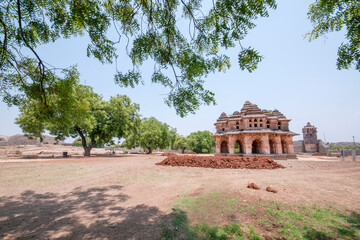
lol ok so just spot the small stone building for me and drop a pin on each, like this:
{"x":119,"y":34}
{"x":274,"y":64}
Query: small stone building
{"x":253,"y":131}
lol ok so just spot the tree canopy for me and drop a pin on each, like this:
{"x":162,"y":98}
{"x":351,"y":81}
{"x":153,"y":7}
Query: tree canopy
{"x":183,"y":37}
{"x":76,"y":111}
{"x":181,"y":143}
{"x":154,"y":134}
{"x":201,"y":141}
{"x":328,"y":16}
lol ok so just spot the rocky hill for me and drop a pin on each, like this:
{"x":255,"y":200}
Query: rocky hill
{"x":20,"y":139}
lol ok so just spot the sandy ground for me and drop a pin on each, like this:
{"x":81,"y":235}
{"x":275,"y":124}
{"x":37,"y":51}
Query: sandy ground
{"x":125,"y":197}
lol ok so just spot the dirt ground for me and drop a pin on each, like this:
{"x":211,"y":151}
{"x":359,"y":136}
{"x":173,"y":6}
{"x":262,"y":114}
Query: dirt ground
{"x":125,"y":197}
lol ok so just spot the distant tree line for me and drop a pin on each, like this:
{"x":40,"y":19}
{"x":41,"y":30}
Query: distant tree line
{"x":338,"y":147}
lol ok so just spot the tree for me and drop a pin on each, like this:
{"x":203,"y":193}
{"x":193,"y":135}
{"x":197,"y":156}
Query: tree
{"x":328,"y":16}
{"x":76,"y":111}
{"x":154,"y":134}
{"x":201,"y":141}
{"x":181,"y":143}
{"x":182,"y":55}
{"x":172,"y":137}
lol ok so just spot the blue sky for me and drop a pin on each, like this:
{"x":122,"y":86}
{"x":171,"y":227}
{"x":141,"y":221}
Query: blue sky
{"x":296,"y":77}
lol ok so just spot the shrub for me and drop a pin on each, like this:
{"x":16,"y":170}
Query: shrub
{"x":204,"y":151}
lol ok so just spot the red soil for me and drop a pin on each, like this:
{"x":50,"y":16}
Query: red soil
{"x":319,"y":154}
{"x":270,"y":189}
{"x":253,"y":186}
{"x":221,"y":162}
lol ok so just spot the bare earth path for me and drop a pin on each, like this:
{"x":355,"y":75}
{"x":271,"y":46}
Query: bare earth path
{"x":125,"y":197}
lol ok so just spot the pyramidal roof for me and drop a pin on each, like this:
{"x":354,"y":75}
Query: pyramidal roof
{"x":308,"y":125}
{"x":252,"y":109}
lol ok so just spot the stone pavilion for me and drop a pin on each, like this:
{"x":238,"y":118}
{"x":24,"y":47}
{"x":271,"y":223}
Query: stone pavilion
{"x":254,"y":131}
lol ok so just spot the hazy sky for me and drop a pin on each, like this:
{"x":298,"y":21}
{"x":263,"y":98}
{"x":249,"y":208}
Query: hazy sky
{"x":296,"y":77}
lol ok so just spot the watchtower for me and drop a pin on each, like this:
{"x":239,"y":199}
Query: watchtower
{"x":311,"y":143}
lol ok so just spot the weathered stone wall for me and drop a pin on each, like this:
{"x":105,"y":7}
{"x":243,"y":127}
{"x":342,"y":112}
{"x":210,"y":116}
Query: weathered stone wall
{"x":311,"y":148}
{"x":323,"y":148}
{"x":299,"y":146}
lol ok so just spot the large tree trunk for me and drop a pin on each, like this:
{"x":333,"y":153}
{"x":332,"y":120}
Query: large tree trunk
{"x":149,"y":150}
{"x":87,"y":151}
{"x":183,"y":150}
{"x":87,"y":148}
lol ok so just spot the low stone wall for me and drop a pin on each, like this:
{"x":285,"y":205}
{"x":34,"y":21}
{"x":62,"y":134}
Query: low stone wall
{"x":299,"y":146}
{"x":311,"y":147}
{"x":323,"y":148}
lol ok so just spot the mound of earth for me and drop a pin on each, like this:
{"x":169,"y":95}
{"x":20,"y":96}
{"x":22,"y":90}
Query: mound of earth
{"x":253,"y":186}
{"x":270,"y":189}
{"x":221,"y":162}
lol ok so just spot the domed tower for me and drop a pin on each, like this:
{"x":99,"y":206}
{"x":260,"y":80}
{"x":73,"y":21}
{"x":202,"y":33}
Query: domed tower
{"x":310,"y":138}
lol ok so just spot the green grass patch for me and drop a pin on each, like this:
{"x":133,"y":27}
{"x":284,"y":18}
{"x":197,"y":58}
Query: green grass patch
{"x":228,"y":216}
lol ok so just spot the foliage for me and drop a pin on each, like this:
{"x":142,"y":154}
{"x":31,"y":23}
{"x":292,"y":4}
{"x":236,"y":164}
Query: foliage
{"x":183,"y":51}
{"x":74,"y":110}
{"x":181,"y":144}
{"x":154,"y":134}
{"x":328,"y":16}
{"x":200,"y":140}
{"x":337,"y":147}
{"x":78,"y":142}
{"x":172,"y":137}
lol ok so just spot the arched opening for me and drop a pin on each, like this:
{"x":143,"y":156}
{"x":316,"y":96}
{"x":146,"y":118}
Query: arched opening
{"x":256,"y":147}
{"x":224,"y":147}
{"x":284,"y":147}
{"x":272,"y":147}
{"x":238,"y":147}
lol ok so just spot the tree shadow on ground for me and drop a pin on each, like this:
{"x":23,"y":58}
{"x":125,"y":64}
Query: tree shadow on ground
{"x":94,"y":213}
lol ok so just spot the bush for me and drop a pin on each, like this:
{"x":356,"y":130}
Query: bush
{"x":204,"y":151}
{"x":18,"y":152}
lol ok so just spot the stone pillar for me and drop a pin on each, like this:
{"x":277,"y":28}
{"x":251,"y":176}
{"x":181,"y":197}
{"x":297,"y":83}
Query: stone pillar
{"x":218,"y":144}
{"x":231,"y":144}
{"x":278,"y":145}
{"x":290,"y":145}
{"x":247,"y":144}
{"x":265,"y":145}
